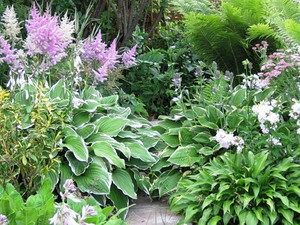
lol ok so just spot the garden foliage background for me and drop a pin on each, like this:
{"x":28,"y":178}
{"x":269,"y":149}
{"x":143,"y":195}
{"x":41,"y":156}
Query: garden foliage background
{"x":81,"y":82}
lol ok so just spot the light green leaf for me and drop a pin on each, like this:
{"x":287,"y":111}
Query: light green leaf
{"x":239,"y":97}
{"x":123,"y":181}
{"x":171,"y":140}
{"x":109,"y":100}
{"x":214,"y":220}
{"x":287,"y":214}
{"x":86,"y":130}
{"x":205,"y":123}
{"x":140,"y":152}
{"x":28,"y":216}
{"x":185,"y":156}
{"x":214,"y":114}
{"x":110,"y":126}
{"x":77,"y":145}
{"x":251,"y":218}
{"x":226,"y":206}
{"x":208,"y":200}
{"x":202,"y":137}
{"x":96,"y":180}
{"x":77,"y":167}
{"x":90,"y":105}
{"x":205,"y":216}
{"x":81,"y":118}
{"x":105,"y":150}
{"x":260,"y":163}
{"x":284,"y":199}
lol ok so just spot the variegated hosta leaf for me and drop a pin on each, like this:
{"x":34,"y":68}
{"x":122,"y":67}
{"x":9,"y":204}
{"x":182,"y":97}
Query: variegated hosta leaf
{"x":110,"y":126}
{"x":140,"y":152}
{"x":105,"y":150}
{"x":96,"y":179}
{"x":86,"y":130}
{"x":81,"y":118}
{"x":77,"y":167}
{"x":77,"y":145}
{"x":123,"y":181}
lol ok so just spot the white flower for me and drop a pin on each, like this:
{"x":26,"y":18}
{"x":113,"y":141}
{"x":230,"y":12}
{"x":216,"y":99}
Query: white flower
{"x":224,"y":139}
{"x":10,"y":22}
{"x":274,"y":141}
{"x":295,"y":112}
{"x":68,"y":28}
{"x":76,"y":102}
{"x":273,"y":118}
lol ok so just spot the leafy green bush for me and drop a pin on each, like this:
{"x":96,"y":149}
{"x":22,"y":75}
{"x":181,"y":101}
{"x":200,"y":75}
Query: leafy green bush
{"x":241,"y":189}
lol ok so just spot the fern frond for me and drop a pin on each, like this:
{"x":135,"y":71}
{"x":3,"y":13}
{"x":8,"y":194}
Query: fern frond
{"x":188,"y":6}
{"x":260,"y":31}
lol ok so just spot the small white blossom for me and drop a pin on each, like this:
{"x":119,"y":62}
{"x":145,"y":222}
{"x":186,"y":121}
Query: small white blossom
{"x":227,"y":140}
{"x":10,"y":22}
{"x":274,"y":141}
{"x":295,"y":112}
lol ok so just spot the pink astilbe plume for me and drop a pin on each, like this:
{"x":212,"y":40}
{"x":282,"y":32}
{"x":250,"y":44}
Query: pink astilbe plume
{"x":94,"y":49}
{"x":45,"y":36}
{"x":128,"y":58}
{"x":112,"y":55}
{"x":6,"y":53}
{"x":102,"y":72}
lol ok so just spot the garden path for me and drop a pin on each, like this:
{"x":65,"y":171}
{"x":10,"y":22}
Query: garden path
{"x":151,"y":212}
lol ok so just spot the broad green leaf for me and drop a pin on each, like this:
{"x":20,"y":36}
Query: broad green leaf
{"x":206,"y":151}
{"x":214,"y":220}
{"x":123,"y":181}
{"x":284,"y":199}
{"x":234,"y":119}
{"x":239,"y":97}
{"x":27,"y":216}
{"x":171,"y":140}
{"x":119,"y":200}
{"x":206,"y":215}
{"x":58,"y":90}
{"x":214,"y":114}
{"x":168,"y":124}
{"x":77,"y":167}
{"x":105,"y":150}
{"x":251,"y":218}
{"x":109,"y":100}
{"x":96,"y":180}
{"x":258,"y":213}
{"x":77,"y":145}
{"x":138,"y":151}
{"x":86,"y":130}
{"x":185,"y":156}
{"x":202,"y":137}
{"x":110,"y":126}
{"x":208,"y":200}
{"x":81,"y":118}
{"x":260,"y":163}
{"x":246,"y":199}
{"x":263,"y":94}
{"x":201,"y":112}
{"x":271,"y":204}
{"x":205,"y":123}
{"x":287,"y":214}
{"x":226,"y":206}
{"x":90,"y":105}
{"x":168,"y":181}
{"x":185,"y":136}
{"x":69,"y":131}
{"x":190,"y":211}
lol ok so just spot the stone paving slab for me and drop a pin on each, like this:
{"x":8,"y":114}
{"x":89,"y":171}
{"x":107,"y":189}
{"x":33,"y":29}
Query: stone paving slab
{"x":147,"y":212}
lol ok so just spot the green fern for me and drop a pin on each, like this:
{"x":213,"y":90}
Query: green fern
{"x":187,"y":6}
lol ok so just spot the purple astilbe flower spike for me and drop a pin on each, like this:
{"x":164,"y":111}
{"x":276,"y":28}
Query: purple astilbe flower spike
{"x":45,"y":36}
{"x":8,"y":54}
{"x":112,"y":55}
{"x":94,"y":49}
{"x":128,"y":58}
{"x":102,"y":72}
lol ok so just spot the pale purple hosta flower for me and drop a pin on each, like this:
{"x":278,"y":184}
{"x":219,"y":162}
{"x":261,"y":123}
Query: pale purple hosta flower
{"x":64,"y":216}
{"x":45,"y":36}
{"x":87,"y":211}
{"x":3,"y":220}
{"x":10,"y":22}
{"x":128,"y":58}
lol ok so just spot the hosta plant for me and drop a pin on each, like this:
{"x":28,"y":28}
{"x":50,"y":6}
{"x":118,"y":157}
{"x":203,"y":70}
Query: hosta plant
{"x":241,"y":189}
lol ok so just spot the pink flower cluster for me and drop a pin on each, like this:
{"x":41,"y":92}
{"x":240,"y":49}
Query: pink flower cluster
{"x":275,"y":63}
{"x":95,"y":50}
{"x":45,"y":36}
{"x":8,"y":54}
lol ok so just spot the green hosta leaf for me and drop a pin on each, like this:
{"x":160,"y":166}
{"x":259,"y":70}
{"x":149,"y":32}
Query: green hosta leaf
{"x":190,"y":211}
{"x":15,"y":199}
{"x":77,"y":167}
{"x":287,"y":214}
{"x":123,"y":181}
{"x":214,"y":220}
{"x":271,"y":204}
{"x":90,"y":105}
{"x":234,"y":119}
{"x":203,"y":137}
{"x":119,"y":200}
{"x":105,"y":150}
{"x":246,"y":199}
{"x":206,"y":215}
{"x":69,"y":131}
{"x":214,"y":114}
{"x":168,"y":124}
{"x":168,"y":181}
{"x":206,"y":151}
{"x":284,"y":199}
{"x":110,"y":126}
{"x":171,"y":140}
{"x":239,"y":97}
{"x":96,"y":180}
{"x":226,"y":206}
{"x":205,"y":123}
{"x":185,"y":136}
{"x":58,"y":90}
{"x":201,"y":112}
{"x":260,"y":163}
{"x":138,"y":151}
{"x":77,"y":145}
{"x":109,"y":100}
{"x":81,"y":118}
{"x":251,"y":218}
{"x":258,"y":213}
{"x":28,"y":216}
{"x":263,"y":94}
{"x":86,"y":130}
{"x":185,"y":156}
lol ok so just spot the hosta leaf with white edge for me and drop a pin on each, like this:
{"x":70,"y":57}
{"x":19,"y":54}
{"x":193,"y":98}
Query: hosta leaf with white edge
{"x":123,"y":181}
{"x":138,"y":151}
{"x":77,"y":167}
{"x":96,"y":180}
{"x":110,"y":126}
{"x":105,"y":150}
{"x":77,"y":146}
